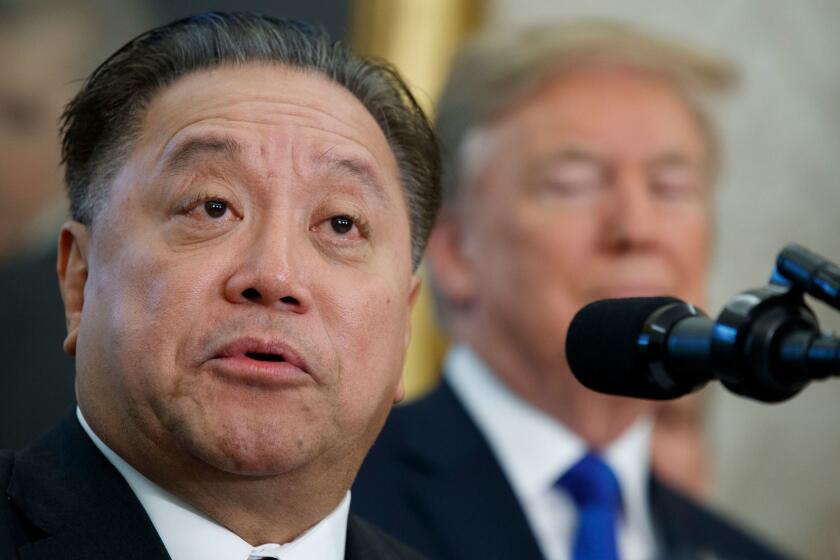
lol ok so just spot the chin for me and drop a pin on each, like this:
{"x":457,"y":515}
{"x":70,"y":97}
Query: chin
{"x":633,"y":291}
{"x":256,"y":454}
{"x":630,"y":406}
{"x":247,"y":442}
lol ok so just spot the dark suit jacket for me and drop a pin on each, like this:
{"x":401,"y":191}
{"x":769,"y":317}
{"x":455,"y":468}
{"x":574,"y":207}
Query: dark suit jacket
{"x":432,"y":481}
{"x":36,"y":375}
{"x":65,"y":501}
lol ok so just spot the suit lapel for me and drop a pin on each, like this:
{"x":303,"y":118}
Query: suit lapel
{"x":366,"y":542}
{"x":358,"y":546}
{"x":458,"y":484}
{"x":67,"y":489}
{"x":683,"y":532}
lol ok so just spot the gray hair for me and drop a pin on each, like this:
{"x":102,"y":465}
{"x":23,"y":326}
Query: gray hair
{"x":100,"y":125}
{"x":498,"y":68}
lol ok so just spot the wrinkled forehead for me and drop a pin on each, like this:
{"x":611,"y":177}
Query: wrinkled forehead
{"x":256,"y":97}
{"x":261,"y":126}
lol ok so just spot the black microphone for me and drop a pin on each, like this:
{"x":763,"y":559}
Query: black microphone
{"x":764,"y":345}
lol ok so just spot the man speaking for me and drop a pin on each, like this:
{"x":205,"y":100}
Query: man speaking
{"x":250,"y":202}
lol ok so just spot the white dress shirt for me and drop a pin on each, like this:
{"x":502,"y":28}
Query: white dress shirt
{"x":188,"y":534}
{"x":534,"y":450}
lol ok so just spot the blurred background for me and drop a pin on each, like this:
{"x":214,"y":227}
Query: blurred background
{"x":774,"y":467}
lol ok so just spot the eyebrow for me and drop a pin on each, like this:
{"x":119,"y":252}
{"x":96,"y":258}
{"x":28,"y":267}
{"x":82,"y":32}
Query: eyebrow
{"x":570,"y":155}
{"x":185,"y":154}
{"x":675,"y":158}
{"x":670,"y":158}
{"x":355,"y":168}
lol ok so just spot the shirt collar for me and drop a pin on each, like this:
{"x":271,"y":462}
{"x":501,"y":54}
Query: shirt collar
{"x":534,"y":463}
{"x":188,"y":534}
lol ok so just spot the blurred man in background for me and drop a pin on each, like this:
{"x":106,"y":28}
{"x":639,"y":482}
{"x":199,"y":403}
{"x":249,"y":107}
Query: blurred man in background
{"x":46,"y":47}
{"x":579,"y":165}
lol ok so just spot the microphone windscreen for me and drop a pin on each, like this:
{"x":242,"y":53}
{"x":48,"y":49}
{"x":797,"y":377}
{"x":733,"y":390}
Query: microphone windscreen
{"x":602,"y":345}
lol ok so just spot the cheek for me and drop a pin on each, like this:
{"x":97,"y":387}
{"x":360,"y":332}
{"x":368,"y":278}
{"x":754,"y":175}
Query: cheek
{"x":539,"y":253}
{"x":690,"y":241}
{"x":689,"y":248}
{"x":367,"y":330}
{"x":146,"y":302}
{"x":533,"y":275}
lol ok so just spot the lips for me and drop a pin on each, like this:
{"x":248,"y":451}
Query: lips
{"x":254,"y":360}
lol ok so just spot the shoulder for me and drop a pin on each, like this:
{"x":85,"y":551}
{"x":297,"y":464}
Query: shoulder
{"x":430,"y":419}
{"x":419,"y":436}
{"x":398,"y":470}
{"x":389,"y":462}
{"x":366,"y":542}
{"x":687,"y":525}
{"x":15,"y":528}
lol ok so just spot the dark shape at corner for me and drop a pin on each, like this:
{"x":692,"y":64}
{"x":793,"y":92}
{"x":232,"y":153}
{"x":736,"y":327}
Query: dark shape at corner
{"x":36,"y":376}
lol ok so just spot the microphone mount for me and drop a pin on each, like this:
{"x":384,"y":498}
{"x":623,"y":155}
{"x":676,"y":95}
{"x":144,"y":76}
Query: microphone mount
{"x":748,"y":338}
{"x":799,"y":267}
{"x":765,"y":344}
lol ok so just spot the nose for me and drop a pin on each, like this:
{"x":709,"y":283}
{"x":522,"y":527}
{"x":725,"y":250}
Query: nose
{"x":271,"y":273}
{"x":629,"y":218}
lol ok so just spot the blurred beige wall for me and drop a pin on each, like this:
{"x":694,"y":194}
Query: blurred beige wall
{"x":778,"y":467}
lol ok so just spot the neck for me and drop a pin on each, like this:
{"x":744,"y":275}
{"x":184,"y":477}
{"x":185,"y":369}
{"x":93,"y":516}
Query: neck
{"x":274,"y":509}
{"x":550,"y":386}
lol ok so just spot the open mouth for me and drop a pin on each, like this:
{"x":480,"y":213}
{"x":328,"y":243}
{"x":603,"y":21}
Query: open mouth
{"x":261,"y":357}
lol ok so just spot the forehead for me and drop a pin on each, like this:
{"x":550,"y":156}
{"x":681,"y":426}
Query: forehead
{"x":265,"y":108}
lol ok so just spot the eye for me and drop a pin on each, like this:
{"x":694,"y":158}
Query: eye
{"x":343,"y":229}
{"x":342,"y":225}
{"x":206,"y":208}
{"x":676,"y":183}
{"x":573,"y":179}
{"x":215,"y":208}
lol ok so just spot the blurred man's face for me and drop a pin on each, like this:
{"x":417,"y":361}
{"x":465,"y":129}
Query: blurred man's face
{"x":37,"y":64}
{"x":593,"y":187}
{"x":248,"y":284}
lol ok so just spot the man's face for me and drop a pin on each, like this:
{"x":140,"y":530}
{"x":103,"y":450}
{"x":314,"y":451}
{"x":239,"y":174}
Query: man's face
{"x":248,"y":279}
{"x":593,"y":187}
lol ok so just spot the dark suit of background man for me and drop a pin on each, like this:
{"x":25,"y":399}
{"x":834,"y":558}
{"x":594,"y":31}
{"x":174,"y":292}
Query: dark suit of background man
{"x":578,"y":165}
{"x":250,"y":202}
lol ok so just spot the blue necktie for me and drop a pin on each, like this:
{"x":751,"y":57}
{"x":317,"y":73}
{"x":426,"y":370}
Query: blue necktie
{"x":596,"y":493}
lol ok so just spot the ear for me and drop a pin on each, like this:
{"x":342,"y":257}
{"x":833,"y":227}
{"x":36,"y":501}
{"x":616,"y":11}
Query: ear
{"x":416,"y":286}
{"x":413,"y":296}
{"x":72,"y":267}
{"x":399,"y":393}
{"x":449,"y":264}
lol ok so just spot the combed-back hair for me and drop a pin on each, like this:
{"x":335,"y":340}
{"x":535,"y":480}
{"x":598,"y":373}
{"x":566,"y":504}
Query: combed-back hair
{"x":101,"y":124}
{"x":500,"y":67}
